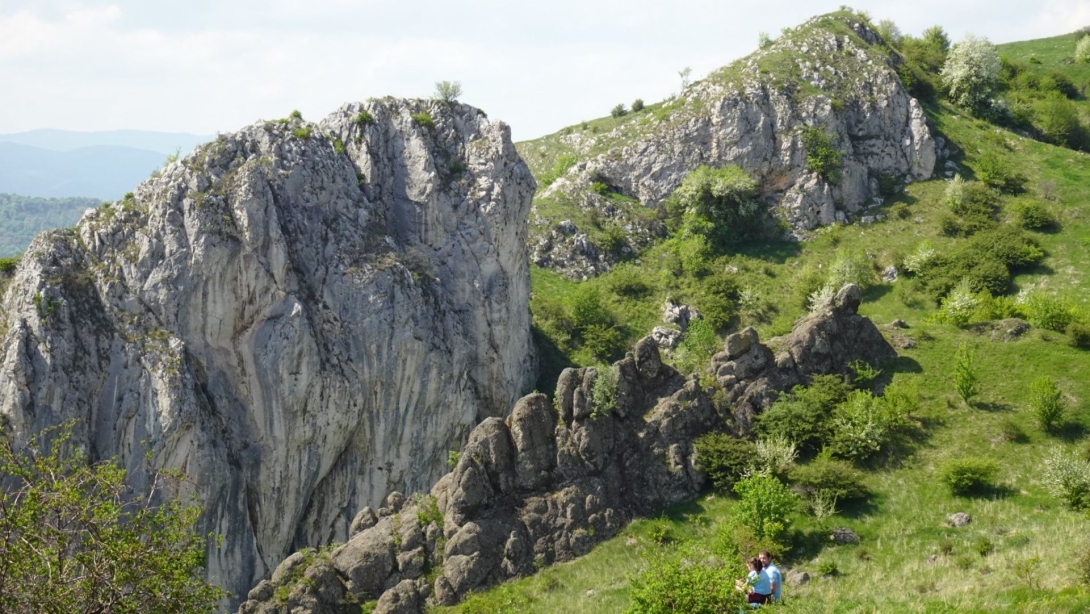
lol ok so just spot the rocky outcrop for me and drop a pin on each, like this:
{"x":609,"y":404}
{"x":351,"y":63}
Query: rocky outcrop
{"x":552,"y":480}
{"x":829,"y":73}
{"x":302,"y":317}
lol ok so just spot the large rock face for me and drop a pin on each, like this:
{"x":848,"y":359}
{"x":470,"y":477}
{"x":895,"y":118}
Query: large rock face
{"x":301,"y":317}
{"x":551,"y":481}
{"x":829,"y":73}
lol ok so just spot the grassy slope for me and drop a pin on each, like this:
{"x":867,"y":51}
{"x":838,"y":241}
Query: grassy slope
{"x":902,"y":524}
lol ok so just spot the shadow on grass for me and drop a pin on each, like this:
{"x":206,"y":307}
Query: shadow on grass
{"x":874,"y":293}
{"x":1071,"y":431}
{"x":683,"y":512}
{"x":999,"y":491}
{"x":991,"y":406}
{"x":552,"y":361}
{"x":777,"y":251}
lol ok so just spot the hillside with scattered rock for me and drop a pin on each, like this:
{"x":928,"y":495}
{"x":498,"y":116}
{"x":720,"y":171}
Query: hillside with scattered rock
{"x":833,"y":75}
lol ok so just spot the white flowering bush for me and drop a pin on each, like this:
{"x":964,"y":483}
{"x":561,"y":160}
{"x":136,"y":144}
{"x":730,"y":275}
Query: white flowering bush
{"x":775,"y":455}
{"x":918,"y":260}
{"x":1082,"y":50}
{"x":1068,"y":477}
{"x":971,"y":72}
{"x":959,"y":305}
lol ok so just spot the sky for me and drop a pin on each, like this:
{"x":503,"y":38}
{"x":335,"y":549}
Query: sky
{"x":208,"y":66}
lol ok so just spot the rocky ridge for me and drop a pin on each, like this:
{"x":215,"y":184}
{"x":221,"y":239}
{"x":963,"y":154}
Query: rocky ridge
{"x":302,"y":317}
{"x":831,"y":72}
{"x":552,"y":480}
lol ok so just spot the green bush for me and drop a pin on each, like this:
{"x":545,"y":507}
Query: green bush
{"x":718,"y":204}
{"x":637,"y":105}
{"x":75,"y":539}
{"x":1058,"y":120}
{"x":765,"y":505}
{"x":8,"y":265}
{"x":302,"y":132}
{"x":822,"y":157}
{"x":1048,"y":311}
{"x":603,"y":393}
{"x":627,"y":281}
{"x":563,"y":163}
{"x":966,"y":380}
{"x":603,"y":342}
{"x":829,"y":477}
{"x":969,"y":475}
{"x":618,"y":111}
{"x":864,"y":424}
{"x":983,"y":546}
{"x":423,"y":119}
{"x":447,"y":91}
{"x":675,"y":583}
{"x":724,"y":458}
{"x":996,"y":172}
{"x":1046,"y":403}
{"x":827,"y":568}
{"x":364,"y":118}
{"x":1078,"y":335}
{"x":804,"y":416}
{"x":1034,"y":215}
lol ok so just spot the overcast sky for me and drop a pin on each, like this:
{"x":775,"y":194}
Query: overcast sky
{"x":209,"y":66}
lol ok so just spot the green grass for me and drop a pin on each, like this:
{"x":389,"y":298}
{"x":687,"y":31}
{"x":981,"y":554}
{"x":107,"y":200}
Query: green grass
{"x":902,"y":524}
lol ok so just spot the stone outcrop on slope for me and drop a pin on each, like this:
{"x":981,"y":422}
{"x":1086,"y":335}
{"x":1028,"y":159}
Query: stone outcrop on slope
{"x":550,"y":481}
{"x":302,"y":317}
{"x":829,"y":73}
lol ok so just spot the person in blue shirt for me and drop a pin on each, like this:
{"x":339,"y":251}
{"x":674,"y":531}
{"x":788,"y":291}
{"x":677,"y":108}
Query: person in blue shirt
{"x":774,"y":575}
{"x":757,"y":580}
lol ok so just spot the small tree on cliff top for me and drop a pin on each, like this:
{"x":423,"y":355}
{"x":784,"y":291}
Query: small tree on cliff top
{"x":75,"y":538}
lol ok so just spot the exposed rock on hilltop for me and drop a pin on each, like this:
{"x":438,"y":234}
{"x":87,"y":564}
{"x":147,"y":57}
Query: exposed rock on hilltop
{"x":831,"y":73}
{"x":550,"y":482}
{"x":301,"y":317}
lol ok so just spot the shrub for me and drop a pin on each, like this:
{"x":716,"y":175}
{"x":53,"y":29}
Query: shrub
{"x":1068,"y":477}
{"x":859,"y":428}
{"x":563,"y":163}
{"x":829,"y":477}
{"x":8,"y":265}
{"x":764,"y":41}
{"x":295,"y":114}
{"x":637,"y":105}
{"x":997,"y":173}
{"x":678,"y":584}
{"x":1078,"y":335}
{"x":959,"y":306}
{"x":1048,"y":311}
{"x":364,"y":118}
{"x":971,"y":72}
{"x":1082,"y":50}
{"x":302,"y":132}
{"x":75,"y":539}
{"x":447,"y":91}
{"x":1034,"y":215}
{"x":775,"y":455}
{"x":697,"y":347}
{"x":423,"y":119}
{"x":618,"y":111}
{"x":827,"y":568}
{"x":719,"y":204}
{"x":919,"y":259}
{"x":1058,"y":120}
{"x":1008,"y":245}
{"x":626,"y":281}
{"x":724,"y":458}
{"x":821,"y":156}
{"x":804,"y":416}
{"x":983,"y":546}
{"x":765,"y":505}
{"x":603,"y":393}
{"x":1046,"y":403}
{"x":966,"y":381}
{"x":969,"y":475}
{"x":603,"y":342}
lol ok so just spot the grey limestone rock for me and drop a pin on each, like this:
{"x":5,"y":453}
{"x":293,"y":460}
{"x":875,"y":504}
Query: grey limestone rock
{"x":301,"y":316}
{"x":742,"y":115}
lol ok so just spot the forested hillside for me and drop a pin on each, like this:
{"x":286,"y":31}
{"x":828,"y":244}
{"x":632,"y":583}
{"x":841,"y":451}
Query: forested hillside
{"x":23,"y":217}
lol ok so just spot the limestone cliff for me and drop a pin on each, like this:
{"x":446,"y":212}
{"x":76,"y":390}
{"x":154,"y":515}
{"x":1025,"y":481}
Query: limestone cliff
{"x":552,"y":480}
{"x":831,"y":73}
{"x":302,"y":317}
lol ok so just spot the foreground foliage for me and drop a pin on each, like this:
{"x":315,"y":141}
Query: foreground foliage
{"x":74,"y":538}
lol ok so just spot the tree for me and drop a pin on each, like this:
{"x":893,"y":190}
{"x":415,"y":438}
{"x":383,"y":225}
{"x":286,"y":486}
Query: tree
{"x":971,"y":73}
{"x":75,"y":538}
{"x":447,"y":91}
{"x":966,"y":381}
{"x":937,"y":37}
{"x":684,"y":74}
{"x":718,"y":204}
{"x":1082,"y":50}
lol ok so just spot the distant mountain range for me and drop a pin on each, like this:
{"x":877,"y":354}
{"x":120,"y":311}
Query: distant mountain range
{"x":104,"y":165}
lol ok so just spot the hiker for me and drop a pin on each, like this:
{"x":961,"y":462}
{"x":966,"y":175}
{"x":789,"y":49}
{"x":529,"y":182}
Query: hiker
{"x":757,"y":580}
{"x":774,"y":575}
